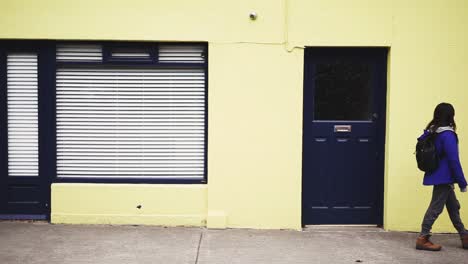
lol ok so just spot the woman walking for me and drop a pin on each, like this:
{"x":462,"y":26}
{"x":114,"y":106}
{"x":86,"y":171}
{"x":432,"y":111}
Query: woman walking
{"x":444,"y":177}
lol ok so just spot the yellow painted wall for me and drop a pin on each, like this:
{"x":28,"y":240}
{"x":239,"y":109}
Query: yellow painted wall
{"x":255,"y":97}
{"x":168,"y":205}
{"x":428,"y":65}
{"x":181,"y":20}
{"x":340,"y":22}
{"x":255,"y":136}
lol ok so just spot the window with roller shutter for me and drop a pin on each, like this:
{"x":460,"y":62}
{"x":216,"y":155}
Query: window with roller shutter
{"x":117,"y":118}
{"x":122,"y":112}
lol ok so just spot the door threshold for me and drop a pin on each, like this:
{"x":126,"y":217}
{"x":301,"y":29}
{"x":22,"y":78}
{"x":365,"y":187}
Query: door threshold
{"x":41,"y":217}
{"x":343,"y":228}
{"x":341,"y":225}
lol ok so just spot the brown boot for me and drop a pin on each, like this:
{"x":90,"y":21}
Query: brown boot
{"x":464,"y":239}
{"x":423,"y":243}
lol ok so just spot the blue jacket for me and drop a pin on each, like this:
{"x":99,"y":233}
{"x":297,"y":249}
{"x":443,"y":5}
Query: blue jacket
{"x":449,"y":170}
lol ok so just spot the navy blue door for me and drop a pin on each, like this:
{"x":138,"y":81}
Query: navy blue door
{"x":343,"y":144}
{"x":24,"y":102}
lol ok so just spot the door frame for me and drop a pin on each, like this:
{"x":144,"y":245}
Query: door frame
{"x":382,"y":75}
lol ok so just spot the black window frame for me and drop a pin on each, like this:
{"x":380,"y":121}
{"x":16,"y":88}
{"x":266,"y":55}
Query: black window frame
{"x":151,"y":48}
{"x":47,"y":68}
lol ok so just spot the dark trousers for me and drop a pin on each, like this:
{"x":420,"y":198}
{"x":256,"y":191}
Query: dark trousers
{"x":443,"y":195}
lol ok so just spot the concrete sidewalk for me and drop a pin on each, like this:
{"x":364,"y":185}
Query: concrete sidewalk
{"x":68,"y":244}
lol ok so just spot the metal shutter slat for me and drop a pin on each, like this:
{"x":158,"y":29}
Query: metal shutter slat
{"x":129,"y":162}
{"x":130,"y":55}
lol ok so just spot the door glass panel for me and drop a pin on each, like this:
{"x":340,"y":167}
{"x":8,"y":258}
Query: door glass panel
{"x":343,"y":91}
{"x":22,"y":87}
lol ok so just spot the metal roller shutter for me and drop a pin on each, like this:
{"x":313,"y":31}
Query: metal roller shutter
{"x":22,"y":94}
{"x":79,"y":52}
{"x":120,"y":122}
{"x":181,"y":53}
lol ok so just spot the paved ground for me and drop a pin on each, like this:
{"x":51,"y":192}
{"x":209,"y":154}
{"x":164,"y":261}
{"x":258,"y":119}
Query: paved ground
{"x":68,"y":244}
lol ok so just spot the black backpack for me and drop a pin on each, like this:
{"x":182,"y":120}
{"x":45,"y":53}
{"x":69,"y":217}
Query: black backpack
{"x":426,"y":153}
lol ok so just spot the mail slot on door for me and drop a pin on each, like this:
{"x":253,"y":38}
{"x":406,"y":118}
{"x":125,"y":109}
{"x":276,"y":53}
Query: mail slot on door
{"x":342,"y":128}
